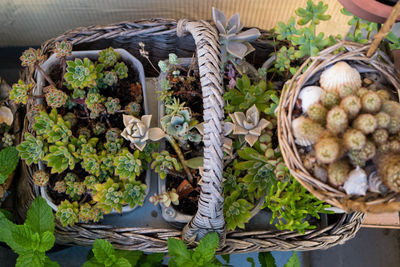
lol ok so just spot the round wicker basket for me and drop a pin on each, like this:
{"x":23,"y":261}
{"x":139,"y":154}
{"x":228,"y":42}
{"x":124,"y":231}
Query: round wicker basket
{"x":160,"y":38}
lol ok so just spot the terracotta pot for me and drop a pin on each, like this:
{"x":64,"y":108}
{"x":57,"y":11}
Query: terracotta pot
{"x":370,"y":10}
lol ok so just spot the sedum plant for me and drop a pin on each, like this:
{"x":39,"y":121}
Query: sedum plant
{"x":127,"y":165}
{"x":32,"y":149}
{"x":108,"y":57}
{"x":134,"y":193}
{"x":67,"y":212}
{"x":80,"y":74}
{"x":166,"y":198}
{"x":109,"y":195}
{"x":236,"y":211}
{"x":61,"y":157}
{"x":164,"y":162}
{"x":20,"y":92}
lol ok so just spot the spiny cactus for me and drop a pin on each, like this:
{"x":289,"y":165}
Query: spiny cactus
{"x":55,"y":98}
{"x":61,"y":157}
{"x":20,"y":92}
{"x":63,"y":49}
{"x":163,"y":162}
{"x":134,"y":193}
{"x":112,"y":105}
{"x":30,"y":57}
{"x":121,"y":70}
{"x":109,"y":196}
{"x":108,"y":57}
{"x":80,"y":74}
{"x":127,"y":165}
{"x":8,"y":140}
{"x":40,"y":178}
{"x":89,"y":213}
{"x":32,"y":149}
{"x":67,"y":213}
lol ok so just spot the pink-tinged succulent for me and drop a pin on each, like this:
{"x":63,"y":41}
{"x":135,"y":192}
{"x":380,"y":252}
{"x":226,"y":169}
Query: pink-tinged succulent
{"x":249,"y":125}
{"x":30,"y":57}
{"x":63,"y":49}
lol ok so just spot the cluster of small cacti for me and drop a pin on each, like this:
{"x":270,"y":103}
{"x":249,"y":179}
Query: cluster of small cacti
{"x":74,"y":128}
{"x":352,"y":122}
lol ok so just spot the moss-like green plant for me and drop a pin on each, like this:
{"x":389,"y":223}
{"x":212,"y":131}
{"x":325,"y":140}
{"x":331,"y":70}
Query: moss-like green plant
{"x":32,"y":149}
{"x":236,"y":211}
{"x":127,"y":165}
{"x":61,"y":156}
{"x":121,"y":70}
{"x":20,"y":92}
{"x":134,"y":193}
{"x":109,"y":195}
{"x":80,"y":74}
{"x":108,"y":57}
{"x":67,"y":213}
{"x":163,"y":162}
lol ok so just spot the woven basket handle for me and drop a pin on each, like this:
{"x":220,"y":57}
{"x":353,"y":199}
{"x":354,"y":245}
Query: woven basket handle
{"x":385,"y":29}
{"x":209,"y":216}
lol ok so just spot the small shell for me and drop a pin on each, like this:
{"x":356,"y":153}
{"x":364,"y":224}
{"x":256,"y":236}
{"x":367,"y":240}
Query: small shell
{"x":356,"y":183}
{"x":6,"y":116}
{"x":340,"y":75}
{"x":375,"y":184}
{"x":309,"y":95}
{"x":305,"y":131}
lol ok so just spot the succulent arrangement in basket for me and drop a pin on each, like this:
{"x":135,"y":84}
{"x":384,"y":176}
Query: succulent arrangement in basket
{"x":89,"y":169}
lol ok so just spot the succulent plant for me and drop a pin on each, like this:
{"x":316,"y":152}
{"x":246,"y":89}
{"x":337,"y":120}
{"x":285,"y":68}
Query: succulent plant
{"x":336,"y":120}
{"x":164,"y":67}
{"x":388,"y":166}
{"x":109,"y":195}
{"x":71,"y":118}
{"x":329,"y":99}
{"x":96,"y":110}
{"x":34,"y":112}
{"x":67,"y":213}
{"x":113,"y":134}
{"x":134,"y":193}
{"x":32,"y":149}
{"x":90,"y":181}
{"x":394,"y":125}
{"x":52,"y":126}
{"x":366,"y":123}
{"x":317,"y":112}
{"x":172,"y":59}
{"x":165,"y":198}
{"x":362,"y":91}
{"x":354,"y":139}
{"x":91,"y":164}
{"x":371,"y":102}
{"x":114,"y":146}
{"x":327,"y":150}
{"x":352,"y":105}
{"x":20,"y":92}
{"x":61,"y":156}
{"x":178,"y":122}
{"x":112,"y":105}
{"x":380,"y":136}
{"x":88,"y":213}
{"x":138,"y":131}
{"x":382,"y":120}
{"x":55,"y":98}
{"x":60,"y":187}
{"x":250,"y":125}
{"x":8,"y":140}
{"x":127,"y":165}
{"x":80,"y":74}
{"x":31,"y":57}
{"x":99,"y":128}
{"x":337,"y":172}
{"x":94,"y":98}
{"x":383,"y":95}
{"x":121,"y":70}
{"x":78,"y":93}
{"x":163,"y":162}
{"x":63,"y":49}
{"x":306,"y":131}
{"x":110,"y":78}
{"x":40,"y":178}
{"x":108,"y":57}
{"x":236,"y":211}
{"x":75,"y":190}
{"x":133,"y":109}
{"x":233,"y":40}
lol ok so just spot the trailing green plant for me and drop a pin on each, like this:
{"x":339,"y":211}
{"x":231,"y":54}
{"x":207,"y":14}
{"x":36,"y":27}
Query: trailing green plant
{"x":164,"y":162}
{"x":32,"y":239}
{"x":236,"y":211}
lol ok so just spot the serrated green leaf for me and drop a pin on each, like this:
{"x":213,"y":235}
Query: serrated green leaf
{"x":40,"y":216}
{"x":91,"y":263}
{"x":31,"y":258}
{"x":102,"y":250}
{"x":266,"y":259}
{"x":49,"y":263}
{"x":227,"y":258}
{"x":22,"y":237}
{"x":207,"y":246}
{"x":152,"y":260}
{"x":121,"y":262}
{"x":132,"y":256}
{"x":294,"y":261}
{"x":251,"y":260}
{"x":46,"y":241}
{"x":8,"y":162}
{"x":195,"y":163}
{"x":6,"y":227}
{"x":7,"y":214}
{"x":178,"y":250}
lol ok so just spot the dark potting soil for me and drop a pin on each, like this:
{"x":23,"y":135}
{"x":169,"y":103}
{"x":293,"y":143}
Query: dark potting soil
{"x":126,"y":90}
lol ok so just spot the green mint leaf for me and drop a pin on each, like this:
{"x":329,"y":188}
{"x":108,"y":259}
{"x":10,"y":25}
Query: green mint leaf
{"x":195,"y":163}
{"x":49,"y":263}
{"x":31,"y":258}
{"x":121,"y":262}
{"x":6,"y":228}
{"x":8,"y":162}
{"x":266,"y":259}
{"x":24,"y":239}
{"x":92,"y":263}
{"x":133,"y":257}
{"x":227,"y":258}
{"x":178,"y":250}
{"x":151,"y":260}
{"x":40,"y":216}
{"x":207,"y":246}
{"x":47,"y":241}
{"x":251,"y":260}
{"x":102,"y":250}
{"x":294,"y":261}
{"x":7,"y":214}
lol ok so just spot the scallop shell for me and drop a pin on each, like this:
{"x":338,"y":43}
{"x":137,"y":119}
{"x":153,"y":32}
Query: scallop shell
{"x":375,"y":184}
{"x":339,"y":75}
{"x":6,"y":116}
{"x":356,"y":183}
{"x":309,"y":95}
{"x":302,"y":137}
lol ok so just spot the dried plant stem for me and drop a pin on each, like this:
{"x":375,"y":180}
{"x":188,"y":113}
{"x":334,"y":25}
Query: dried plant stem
{"x":178,"y":151}
{"x":47,"y":77}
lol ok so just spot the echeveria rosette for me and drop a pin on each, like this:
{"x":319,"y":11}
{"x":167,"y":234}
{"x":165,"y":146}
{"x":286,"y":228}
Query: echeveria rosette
{"x":138,"y":131}
{"x":61,"y":156}
{"x":32,"y":149}
{"x":63,"y":49}
{"x":55,"y":98}
{"x":31,"y":57}
{"x":236,"y":42}
{"x":108,"y":57}
{"x":81,"y":74}
{"x":178,"y":123}
{"x":20,"y":91}
{"x":127,"y":165}
{"x":249,"y":125}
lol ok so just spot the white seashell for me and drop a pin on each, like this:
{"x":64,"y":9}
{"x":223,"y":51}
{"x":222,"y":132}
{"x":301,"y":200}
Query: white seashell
{"x":375,"y":184}
{"x":356,"y":183}
{"x":305,"y":131}
{"x":6,"y":116}
{"x":309,"y":95}
{"x":340,"y":75}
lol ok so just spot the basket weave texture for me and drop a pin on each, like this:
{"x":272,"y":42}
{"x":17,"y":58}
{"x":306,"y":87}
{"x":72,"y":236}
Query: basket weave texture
{"x":354,"y":54}
{"x":160,"y":37}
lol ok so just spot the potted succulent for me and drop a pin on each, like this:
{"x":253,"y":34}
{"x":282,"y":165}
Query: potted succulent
{"x":76,"y":148}
{"x":180,"y":159}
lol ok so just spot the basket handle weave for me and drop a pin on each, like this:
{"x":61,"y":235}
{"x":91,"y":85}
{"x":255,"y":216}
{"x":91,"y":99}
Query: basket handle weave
{"x":394,"y":14}
{"x":209,"y":216}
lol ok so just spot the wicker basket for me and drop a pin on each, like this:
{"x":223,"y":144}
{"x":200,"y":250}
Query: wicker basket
{"x":360,"y":56}
{"x":160,"y":38}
